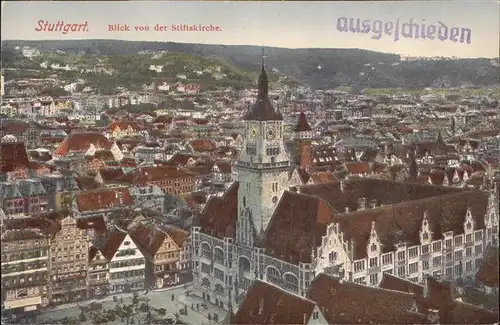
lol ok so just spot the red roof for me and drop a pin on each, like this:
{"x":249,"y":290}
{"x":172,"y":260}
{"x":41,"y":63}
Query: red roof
{"x":13,"y":155}
{"x":80,"y":142}
{"x":302,"y":124}
{"x":220,"y":213}
{"x":103,"y":199}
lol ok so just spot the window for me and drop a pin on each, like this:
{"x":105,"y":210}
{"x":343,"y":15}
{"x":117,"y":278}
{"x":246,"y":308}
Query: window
{"x":458,"y":240}
{"x":436,"y":247}
{"x":448,"y":243}
{"x":315,"y":315}
{"x":478,"y":263}
{"x":359,"y":280}
{"x":374,"y":279}
{"x":468,"y":251}
{"x":458,"y":255}
{"x":332,"y":256}
{"x":126,"y":243}
{"x":425,"y":235}
{"x":449,"y":272}
{"x":458,"y":269}
{"x":468,"y":266}
{"x":273,"y":275}
{"x":401,"y":256}
{"x":291,"y":283}
{"x":478,"y":235}
{"x":374,"y":247}
{"x":387,"y":259}
{"x":449,"y":257}
{"x":436,"y":261}
{"x":401,"y":271}
{"x":218,"y":274}
{"x":413,"y":252}
{"x":373,"y":262}
{"x":478,"y":249}
{"x":425,"y":249}
{"x":413,"y":267}
{"x":359,"y":266}
{"x":205,"y":268}
{"x":425,"y":265}
{"x":468,"y":238}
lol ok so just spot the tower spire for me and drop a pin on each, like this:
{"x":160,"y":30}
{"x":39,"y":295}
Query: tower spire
{"x":262,"y":59}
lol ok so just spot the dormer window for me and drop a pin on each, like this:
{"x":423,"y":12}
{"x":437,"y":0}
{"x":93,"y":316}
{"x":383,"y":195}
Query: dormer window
{"x":468,"y":225}
{"x":374,"y":247}
{"x":425,"y":235}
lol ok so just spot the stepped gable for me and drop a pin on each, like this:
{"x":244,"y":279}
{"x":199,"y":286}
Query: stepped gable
{"x":296,"y":227}
{"x":219,"y":216}
{"x":267,"y":304}
{"x":350,"y":303}
{"x":402,"y":222}
{"x":263,"y":110}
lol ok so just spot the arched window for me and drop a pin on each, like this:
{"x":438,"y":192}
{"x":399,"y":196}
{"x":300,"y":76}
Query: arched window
{"x":205,"y":282}
{"x":219,"y":289}
{"x":219,"y":255}
{"x":273,"y":275}
{"x":244,"y":264}
{"x":291,"y":283}
{"x":206,"y":250}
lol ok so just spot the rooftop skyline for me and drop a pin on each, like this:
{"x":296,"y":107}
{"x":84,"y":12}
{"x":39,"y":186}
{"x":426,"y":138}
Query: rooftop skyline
{"x":276,"y":24}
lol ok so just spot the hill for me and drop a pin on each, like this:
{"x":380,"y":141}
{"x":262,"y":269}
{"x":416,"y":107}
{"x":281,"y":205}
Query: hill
{"x":319,"y":68}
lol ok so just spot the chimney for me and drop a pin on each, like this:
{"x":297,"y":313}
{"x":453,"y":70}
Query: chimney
{"x":305,"y":318}
{"x":346,"y":209}
{"x":342,"y":186}
{"x":361,"y":203}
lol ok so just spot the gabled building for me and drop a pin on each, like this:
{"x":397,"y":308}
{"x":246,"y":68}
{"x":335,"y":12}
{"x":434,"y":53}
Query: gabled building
{"x":162,"y":251}
{"x":126,"y":262}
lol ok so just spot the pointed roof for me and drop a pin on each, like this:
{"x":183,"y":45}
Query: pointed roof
{"x":263,"y":110}
{"x":302,"y":124}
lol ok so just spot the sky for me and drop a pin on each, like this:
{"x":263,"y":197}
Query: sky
{"x":280,"y":24}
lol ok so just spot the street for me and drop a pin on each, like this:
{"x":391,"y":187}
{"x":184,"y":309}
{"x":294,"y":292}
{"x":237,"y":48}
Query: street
{"x":158,"y":299}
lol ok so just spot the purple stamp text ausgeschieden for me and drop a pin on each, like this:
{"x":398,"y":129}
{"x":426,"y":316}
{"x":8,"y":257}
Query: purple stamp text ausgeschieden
{"x":406,"y":30}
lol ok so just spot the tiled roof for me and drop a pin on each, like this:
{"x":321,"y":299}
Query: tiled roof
{"x":81,"y":141}
{"x":123,"y":125}
{"x":350,"y":303}
{"x":296,"y":227}
{"x":267,"y":304}
{"x":155,"y":173}
{"x":103,"y":199}
{"x":392,"y":282}
{"x":203,"y":145}
{"x":219,"y":216}
{"x":302,"y":124}
{"x":148,"y":238}
{"x":113,"y":242}
{"x":110,"y":174}
{"x":13,"y":155}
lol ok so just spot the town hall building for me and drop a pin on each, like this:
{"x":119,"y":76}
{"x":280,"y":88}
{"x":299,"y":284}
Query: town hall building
{"x":271,"y":226}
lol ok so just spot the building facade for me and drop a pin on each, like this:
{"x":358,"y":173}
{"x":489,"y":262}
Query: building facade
{"x":268,"y":227}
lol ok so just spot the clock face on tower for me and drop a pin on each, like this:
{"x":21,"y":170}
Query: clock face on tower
{"x":271,"y":133}
{"x":253,"y":132}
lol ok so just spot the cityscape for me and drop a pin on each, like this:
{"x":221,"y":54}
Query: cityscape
{"x":171,"y":183}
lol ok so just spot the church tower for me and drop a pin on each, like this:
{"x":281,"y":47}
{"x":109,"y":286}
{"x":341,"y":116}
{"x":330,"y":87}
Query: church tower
{"x":303,"y":145}
{"x":262,"y":166}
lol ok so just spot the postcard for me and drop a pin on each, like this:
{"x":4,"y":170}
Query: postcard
{"x":240,"y":162}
